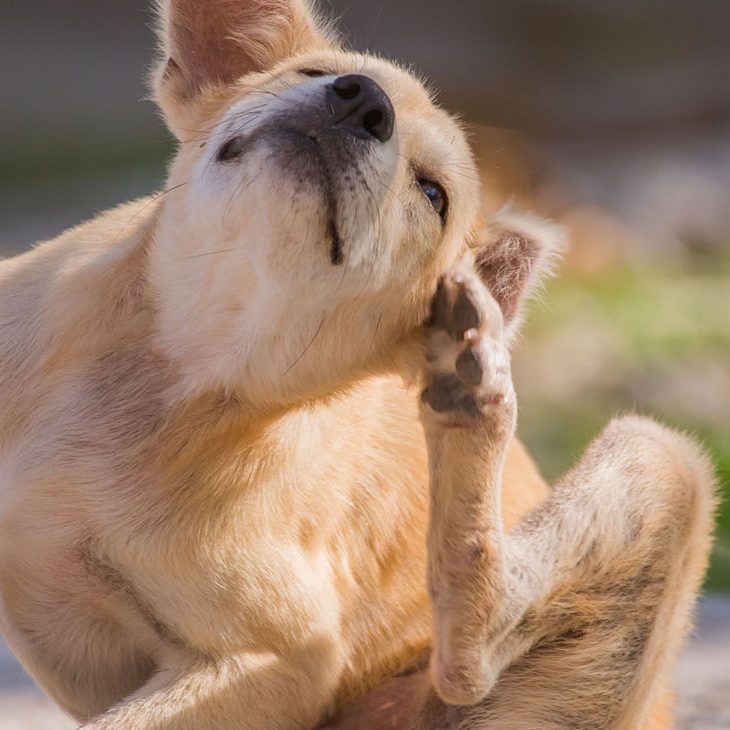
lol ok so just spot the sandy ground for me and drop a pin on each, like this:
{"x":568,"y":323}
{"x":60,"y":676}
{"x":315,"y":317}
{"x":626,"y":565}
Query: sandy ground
{"x":703,"y":681}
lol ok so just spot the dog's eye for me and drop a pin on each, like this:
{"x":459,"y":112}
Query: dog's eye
{"x":436,"y":196}
{"x":313,"y":73}
{"x":231,"y":149}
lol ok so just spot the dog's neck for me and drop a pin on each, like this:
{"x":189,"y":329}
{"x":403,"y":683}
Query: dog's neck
{"x":212,"y":457}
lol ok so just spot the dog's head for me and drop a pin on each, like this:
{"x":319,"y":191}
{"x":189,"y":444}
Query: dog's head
{"x":317,"y":196}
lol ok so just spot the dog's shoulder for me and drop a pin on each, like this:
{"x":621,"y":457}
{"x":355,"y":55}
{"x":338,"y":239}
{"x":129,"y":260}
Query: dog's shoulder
{"x":73,"y":291}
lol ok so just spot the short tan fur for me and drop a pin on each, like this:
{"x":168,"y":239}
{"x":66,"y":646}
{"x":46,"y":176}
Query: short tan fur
{"x":252,"y":474}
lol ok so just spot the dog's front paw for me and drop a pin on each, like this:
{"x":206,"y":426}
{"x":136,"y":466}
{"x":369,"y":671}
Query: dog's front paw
{"x":468,"y":363}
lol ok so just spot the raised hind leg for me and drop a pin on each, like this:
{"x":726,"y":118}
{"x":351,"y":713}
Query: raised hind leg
{"x":601,"y":581}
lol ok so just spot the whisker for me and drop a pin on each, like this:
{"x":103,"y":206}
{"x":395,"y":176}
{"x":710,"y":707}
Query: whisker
{"x":394,"y":194}
{"x":267,"y":92}
{"x":203,"y":132}
{"x":238,"y":131}
{"x":375,"y":334}
{"x":241,"y":185}
{"x":306,"y":349}
{"x":153,"y":199}
{"x":211,"y":253}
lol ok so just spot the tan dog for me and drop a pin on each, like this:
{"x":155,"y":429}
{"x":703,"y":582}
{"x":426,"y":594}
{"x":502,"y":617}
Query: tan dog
{"x":214,"y":485}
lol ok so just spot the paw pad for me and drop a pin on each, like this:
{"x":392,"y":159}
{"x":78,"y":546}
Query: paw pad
{"x":465,"y":361}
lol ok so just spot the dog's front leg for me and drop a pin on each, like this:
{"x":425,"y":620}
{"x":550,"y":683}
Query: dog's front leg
{"x":469,"y":414}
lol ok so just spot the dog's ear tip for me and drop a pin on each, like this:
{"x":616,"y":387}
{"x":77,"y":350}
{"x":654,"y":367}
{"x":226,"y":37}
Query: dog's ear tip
{"x":549,"y":236}
{"x":517,"y":250}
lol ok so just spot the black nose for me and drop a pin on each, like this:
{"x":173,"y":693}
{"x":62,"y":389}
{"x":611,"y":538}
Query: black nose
{"x":361,"y":107}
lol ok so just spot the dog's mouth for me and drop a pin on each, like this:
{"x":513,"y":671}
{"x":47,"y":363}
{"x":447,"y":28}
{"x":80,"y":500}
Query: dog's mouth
{"x":312,"y":146}
{"x":336,"y":246}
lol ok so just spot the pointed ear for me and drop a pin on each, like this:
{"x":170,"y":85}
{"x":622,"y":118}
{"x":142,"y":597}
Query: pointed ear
{"x":209,"y":43}
{"x":515,"y":251}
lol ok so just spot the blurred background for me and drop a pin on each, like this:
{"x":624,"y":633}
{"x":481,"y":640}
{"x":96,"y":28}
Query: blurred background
{"x":613,"y":118}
